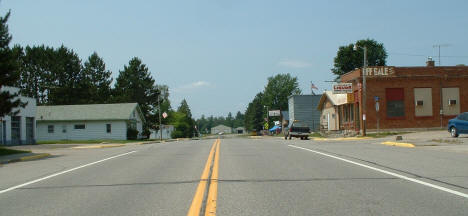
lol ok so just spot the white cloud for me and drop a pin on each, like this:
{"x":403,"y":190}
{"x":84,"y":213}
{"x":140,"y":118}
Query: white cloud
{"x":294,"y":63}
{"x":192,"y":86}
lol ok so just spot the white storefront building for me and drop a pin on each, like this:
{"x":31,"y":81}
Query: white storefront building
{"x":19,"y":129}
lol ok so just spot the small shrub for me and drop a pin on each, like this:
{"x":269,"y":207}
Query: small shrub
{"x":132,"y":134}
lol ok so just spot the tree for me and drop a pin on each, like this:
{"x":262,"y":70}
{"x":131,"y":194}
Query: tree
{"x":185,"y":110}
{"x":135,"y":84}
{"x":98,"y":80}
{"x":348,"y":59}
{"x":254,"y":114}
{"x":278,"y":89}
{"x":239,"y":120}
{"x":9,"y":74}
{"x":66,"y":84}
{"x":230,"y":120}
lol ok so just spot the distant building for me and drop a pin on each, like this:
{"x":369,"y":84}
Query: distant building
{"x":408,"y":97}
{"x":88,"y":122}
{"x":304,"y":108}
{"x":166,"y":132}
{"x":221,"y":129}
{"x":331,"y":106}
{"x":21,"y":128}
{"x":239,"y":130}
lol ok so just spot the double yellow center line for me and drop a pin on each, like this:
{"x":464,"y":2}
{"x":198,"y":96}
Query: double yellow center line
{"x":197,"y":202}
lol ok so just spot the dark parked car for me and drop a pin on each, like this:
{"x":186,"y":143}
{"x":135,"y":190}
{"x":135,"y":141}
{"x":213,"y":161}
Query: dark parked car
{"x":297,"y":129}
{"x":458,"y":125}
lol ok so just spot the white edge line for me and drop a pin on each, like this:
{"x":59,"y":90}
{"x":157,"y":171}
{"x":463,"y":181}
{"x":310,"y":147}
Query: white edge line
{"x":388,"y":173}
{"x":63,"y":172}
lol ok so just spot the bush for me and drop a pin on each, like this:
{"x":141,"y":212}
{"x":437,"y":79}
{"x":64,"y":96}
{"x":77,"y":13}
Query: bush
{"x":132,"y":134}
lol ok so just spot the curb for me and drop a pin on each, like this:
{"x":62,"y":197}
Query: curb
{"x":342,"y":139}
{"x":26,"y":158}
{"x":99,"y":146}
{"x":406,"y":145}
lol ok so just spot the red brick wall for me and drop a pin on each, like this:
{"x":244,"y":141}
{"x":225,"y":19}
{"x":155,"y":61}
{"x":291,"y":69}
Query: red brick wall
{"x":409,"y":78}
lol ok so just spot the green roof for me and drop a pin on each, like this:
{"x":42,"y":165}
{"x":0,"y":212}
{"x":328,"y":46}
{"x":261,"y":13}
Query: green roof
{"x":87,"y":112}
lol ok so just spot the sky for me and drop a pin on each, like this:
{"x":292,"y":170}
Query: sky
{"x":218,"y":54}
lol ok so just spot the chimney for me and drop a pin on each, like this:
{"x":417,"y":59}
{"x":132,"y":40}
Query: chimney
{"x":430,"y":62}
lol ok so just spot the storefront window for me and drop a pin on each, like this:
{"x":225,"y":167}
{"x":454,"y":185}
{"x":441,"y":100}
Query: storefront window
{"x":395,"y":102}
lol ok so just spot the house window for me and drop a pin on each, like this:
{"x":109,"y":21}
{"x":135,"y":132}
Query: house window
{"x":395,"y":102}
{"x":108,"y":128}
{"x":50,"y":128}
{"x":451,"y":101}
{"x":80,"y":126}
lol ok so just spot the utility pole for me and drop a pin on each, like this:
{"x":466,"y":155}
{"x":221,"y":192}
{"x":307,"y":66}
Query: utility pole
{"x":160,"y":124}
{"x":364,"y":93}
{"x":439,"y":46}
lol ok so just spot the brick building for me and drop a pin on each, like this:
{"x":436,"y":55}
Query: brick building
{"x":407,"y":97}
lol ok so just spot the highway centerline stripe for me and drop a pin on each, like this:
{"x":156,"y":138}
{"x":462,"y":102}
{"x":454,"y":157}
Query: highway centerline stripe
{"x":210,"y":209}
{"x":197,"y":201}
{"x":387,"y":172}
{"x":63,"y":172}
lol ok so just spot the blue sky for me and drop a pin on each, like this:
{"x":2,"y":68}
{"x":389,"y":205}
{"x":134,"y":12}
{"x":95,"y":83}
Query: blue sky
{"x":218,"y":54}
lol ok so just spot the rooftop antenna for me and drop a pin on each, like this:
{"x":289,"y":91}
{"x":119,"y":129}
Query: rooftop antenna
{"x":439,"y":46}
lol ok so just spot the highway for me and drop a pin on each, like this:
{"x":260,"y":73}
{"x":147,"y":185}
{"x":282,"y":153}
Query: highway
{"x":239,"y":176}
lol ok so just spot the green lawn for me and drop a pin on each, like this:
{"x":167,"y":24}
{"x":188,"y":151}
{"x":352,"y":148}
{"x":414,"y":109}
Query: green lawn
{"x":85,"y":141}
{"x":6,"y":151}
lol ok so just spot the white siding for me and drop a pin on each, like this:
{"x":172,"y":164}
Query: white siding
{"x":28,"y":111}
{"x":94,"y":130}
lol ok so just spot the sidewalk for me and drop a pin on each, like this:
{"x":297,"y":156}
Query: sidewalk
{"x":431,"y":138}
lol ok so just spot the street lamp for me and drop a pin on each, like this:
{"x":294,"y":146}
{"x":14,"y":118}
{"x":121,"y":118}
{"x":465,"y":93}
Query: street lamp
{"x":363,"y":89}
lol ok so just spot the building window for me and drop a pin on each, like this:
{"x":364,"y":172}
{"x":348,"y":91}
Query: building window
{"x":351,"y":112}
{"x":80,"y":126}
{"x":64,"y":129}
{"x":50,"y":128}
{"x":423,"y":101}
{"x":108,"y":128}
{"x":395,"y":102}
{"x":451,"y":101}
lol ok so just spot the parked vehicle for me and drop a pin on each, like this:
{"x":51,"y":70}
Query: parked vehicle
{"x":297,"y":129}
{"x":458,"y":125}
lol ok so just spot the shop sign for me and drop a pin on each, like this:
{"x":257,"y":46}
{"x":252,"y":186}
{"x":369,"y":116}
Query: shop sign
{"x":380,"y":71}
{"x":343,"y":88}
{"x":274,"y":113}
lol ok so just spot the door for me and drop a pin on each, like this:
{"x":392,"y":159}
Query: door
{"x":15,"y":130}
{"x":328,"y":122}
{"x":30,"y":130}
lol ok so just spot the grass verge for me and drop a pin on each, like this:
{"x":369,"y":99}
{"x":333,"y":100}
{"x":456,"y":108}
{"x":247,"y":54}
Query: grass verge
{"x":6,"y":151}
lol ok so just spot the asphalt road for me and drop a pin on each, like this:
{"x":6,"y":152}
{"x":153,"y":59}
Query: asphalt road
{"x":256,"y":177}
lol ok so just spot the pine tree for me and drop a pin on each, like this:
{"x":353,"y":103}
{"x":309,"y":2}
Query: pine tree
{"x":98,"y":78}
{"x":9,"y":74}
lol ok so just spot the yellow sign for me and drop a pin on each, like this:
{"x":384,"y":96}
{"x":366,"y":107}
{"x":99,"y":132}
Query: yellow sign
{"x":350,"y":97}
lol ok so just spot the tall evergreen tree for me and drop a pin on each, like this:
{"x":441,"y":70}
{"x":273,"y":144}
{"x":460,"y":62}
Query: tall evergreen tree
{"x":98,"y":80}
{"x":9,"y":74}
{"x":254,"y":114}
{"x":68,"y":84}
{"x":135,"y":84}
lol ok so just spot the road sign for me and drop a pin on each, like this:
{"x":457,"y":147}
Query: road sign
{"x":377,"y":107}
{"x":274,"y":113}
{"x":376,"y":98}
{"x":164,"y":115}
{"x":343,"y":88}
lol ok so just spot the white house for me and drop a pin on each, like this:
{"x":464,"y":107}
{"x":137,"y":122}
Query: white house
{"x":221,"y":129}
{"x":88,"y":122}
{"x":166,"y":132}
{"x":21,"y":128}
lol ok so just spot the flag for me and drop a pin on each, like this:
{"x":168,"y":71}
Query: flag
{"x":312,"y":86}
